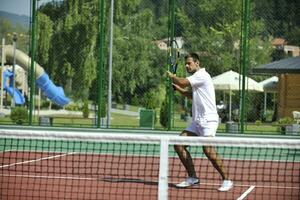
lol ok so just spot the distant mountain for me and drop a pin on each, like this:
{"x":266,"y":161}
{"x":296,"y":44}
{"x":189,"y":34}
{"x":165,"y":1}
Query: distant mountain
{"x":15,"y":19}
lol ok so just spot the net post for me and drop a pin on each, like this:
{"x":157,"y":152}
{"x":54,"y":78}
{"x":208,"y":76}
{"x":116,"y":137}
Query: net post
{"x":163,"y":170}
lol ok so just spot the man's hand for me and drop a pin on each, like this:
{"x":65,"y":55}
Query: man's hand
{"x":176,"y":87}
{"x":170,"y":74}
{"x":180,"y":84}
{"x":182,"y":91}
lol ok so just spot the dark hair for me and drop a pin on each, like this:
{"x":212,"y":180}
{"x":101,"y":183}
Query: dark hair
{"x":193,"y":55}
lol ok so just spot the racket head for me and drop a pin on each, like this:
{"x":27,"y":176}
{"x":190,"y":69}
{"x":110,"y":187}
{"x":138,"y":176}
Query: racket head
{"x":174,"y":55}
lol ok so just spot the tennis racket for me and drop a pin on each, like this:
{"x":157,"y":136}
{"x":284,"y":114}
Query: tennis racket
{"x":174,"y":56}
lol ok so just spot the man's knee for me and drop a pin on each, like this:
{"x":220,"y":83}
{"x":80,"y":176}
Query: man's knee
{"x":187,"y":133}
{"x":208,"y":150}
{"x":179,"y":148}
{"x":182,"y":148}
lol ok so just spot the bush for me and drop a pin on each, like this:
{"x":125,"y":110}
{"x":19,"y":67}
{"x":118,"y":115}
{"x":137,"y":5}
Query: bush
{"x":163,"y":117}
{"x":19,"y":115}
{"x":103,"y":110}
{"x":85,"y":109}
{"x":154,"y":98}
{"x":72,"y":107}
{"x":45,"y":104}
{"x":283,"y":122}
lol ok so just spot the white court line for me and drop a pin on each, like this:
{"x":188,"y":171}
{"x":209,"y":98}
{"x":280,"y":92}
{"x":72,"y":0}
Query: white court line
{"x":94,"y":179}
{"x":50,"y":177}
{"x":244,"y":185}
{"x":8,"y":150}
{"x":36,"y":160}
{"x":246,"y":192}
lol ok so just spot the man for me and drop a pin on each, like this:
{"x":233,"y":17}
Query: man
{"x":205,"y":118}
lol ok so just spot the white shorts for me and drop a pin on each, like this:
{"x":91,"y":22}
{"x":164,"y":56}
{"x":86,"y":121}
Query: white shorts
{"x":207,"y":129}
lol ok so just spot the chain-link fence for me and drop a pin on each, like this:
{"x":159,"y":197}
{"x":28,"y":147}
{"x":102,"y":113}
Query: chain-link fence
{"x":274,"y":36}
{"x":138,"y":44}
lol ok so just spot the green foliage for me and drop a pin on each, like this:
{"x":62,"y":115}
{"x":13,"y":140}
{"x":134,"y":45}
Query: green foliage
{"x":19,"y":115}
{"x":258,"y":122}
{"x":153,"y":98}
{"x":103,"y":110}
{"x":44,"y":35}
{"x":68,"y":46}
{"x":136,"y":57}
{"x":45,"y":104}
{"x":72,"y":55}
{"x":85,"y":109}
{"x":255,"y":107}
{"x":281,"y":16}
{"x":163,"y":115}
{"x":7,"y":29}
{"x":285,"y":121}
{"x":294,"y":36}
{"x":73,"y":107}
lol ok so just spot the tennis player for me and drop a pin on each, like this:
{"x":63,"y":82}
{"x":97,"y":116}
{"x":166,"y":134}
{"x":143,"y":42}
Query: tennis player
{"x":205,"y":119}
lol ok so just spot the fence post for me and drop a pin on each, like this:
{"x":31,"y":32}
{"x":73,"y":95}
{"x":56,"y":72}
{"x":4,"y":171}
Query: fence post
{"x":171,"y":39}
{"x":32,"y":55}
{"x":100,"y":61}
{"x":244,"y":57}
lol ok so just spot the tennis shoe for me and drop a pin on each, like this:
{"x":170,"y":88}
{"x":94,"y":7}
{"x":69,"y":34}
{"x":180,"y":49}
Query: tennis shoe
{"x":190,"y":181}
{"x":226,"y":186}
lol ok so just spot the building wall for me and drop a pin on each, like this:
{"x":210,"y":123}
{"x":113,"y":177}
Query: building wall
{"x":292,"y":50}
{"x":289,"y":94}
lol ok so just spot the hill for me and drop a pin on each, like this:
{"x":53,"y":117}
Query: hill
{"x":15,"y":19}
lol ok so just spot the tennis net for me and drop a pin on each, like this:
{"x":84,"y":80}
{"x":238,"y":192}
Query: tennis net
{"x":38,"y":164}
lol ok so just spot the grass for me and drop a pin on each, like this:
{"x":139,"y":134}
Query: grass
{"x":126,"y":121}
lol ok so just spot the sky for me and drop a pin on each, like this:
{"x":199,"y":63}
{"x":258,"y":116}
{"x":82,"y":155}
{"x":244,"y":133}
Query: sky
{"x":20,"y":7}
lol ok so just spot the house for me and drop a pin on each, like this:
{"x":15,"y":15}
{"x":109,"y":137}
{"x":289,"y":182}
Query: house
{"x":288,"y":72}
{"x":163,"y":43}
{"x":280,"y":43}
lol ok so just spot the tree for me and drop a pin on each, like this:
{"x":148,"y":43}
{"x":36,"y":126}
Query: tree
{"x":163,"y":115}
{"x":44,"y":36}
{"x":136,"y":57}
{"x":73,"y":53}
{"x":212,"y":28}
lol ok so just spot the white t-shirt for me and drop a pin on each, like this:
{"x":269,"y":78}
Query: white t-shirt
{"x":204,"y":99}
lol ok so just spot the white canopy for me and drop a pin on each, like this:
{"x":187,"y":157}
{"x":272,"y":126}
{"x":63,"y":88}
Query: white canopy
{"x":230,"y":80}
{"x":270,"y":84}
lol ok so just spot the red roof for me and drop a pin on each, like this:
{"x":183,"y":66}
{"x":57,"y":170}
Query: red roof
{"x":279,"y":41}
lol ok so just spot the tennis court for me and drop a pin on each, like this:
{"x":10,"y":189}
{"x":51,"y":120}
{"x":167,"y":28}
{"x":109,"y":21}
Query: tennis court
{"x":68,"y":165}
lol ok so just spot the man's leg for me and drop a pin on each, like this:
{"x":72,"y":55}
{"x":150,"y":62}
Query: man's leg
{"x":185,"y":156}
{"x":186,"y":159}
{"x":216,"y":161}
{"x":214,"y":158}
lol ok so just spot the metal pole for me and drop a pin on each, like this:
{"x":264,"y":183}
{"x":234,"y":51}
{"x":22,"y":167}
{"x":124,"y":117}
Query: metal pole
{"x":13,"y":103}
{"x":2,"y":74}
{"x":100,"y":61}
{"x":33,"y":18}
{"x":230,"y":106}
{"x":244,"y":57}
{"x":170,"y":88}
{"x":110,"y":62}
{"x":265,"y":104}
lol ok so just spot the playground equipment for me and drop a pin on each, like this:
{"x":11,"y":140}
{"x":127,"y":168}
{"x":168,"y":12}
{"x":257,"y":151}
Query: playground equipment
{"x":14,"y":92}
{"x":51,"y":91}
